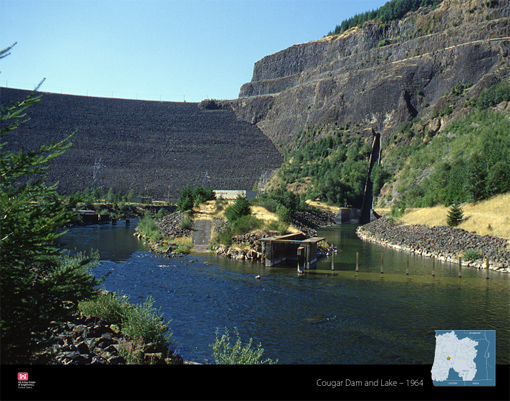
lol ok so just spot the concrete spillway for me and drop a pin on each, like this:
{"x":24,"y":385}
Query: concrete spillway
{"x":151,"y":147}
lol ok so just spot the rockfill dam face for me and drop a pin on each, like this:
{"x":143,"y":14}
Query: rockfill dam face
{"x":154,"y":148}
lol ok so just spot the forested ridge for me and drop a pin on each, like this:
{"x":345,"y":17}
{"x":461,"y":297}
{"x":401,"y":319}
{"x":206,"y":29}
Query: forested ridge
{"x":392,"y":10}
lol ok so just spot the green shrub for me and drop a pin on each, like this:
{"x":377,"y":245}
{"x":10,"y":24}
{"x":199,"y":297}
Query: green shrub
{"x":145,"y":322}
{"x":149,"y":229}
{"x":190,"y":197}
{"x":240,"y":208}
{"x":283,"y":214}
{"x":224,"y":237}
{"x":268,"y":203}
{"x":109,"y":307}
{"x":246,"y":224}
{"x":472,"y":254}
{"x":186,"y":223}
{"x":139,"y":321}
{"x":226,"y":354}
{"x":185,"y":203}
{"x":455,"y":215}
{"x":490,"y":97}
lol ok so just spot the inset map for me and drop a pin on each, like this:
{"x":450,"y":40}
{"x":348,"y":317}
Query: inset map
{"x":465,"y":358}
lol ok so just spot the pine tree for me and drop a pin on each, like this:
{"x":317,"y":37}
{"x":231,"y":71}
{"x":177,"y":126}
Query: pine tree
{"x":455,"y":215}
{"x":38,"y":282}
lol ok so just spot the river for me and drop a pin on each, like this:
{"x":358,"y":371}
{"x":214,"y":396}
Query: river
{"x":321,"y":317}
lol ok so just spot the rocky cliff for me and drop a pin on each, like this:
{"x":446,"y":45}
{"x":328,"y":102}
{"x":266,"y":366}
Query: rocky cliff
{"x":378,"y":75}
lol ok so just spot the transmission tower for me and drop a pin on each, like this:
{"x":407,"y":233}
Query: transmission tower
{"x":207,"y":182}
{"x":97,"y":179}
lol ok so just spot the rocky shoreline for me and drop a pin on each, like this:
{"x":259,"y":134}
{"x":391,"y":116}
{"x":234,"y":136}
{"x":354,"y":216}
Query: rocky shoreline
{"x":171,"y":226}
{"x":249,"y":247}
{"x":89,"y":341}
{"x":442,"y":242}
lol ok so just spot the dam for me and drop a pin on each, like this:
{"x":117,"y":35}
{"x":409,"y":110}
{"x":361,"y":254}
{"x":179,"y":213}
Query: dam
{"x":154,"y":148}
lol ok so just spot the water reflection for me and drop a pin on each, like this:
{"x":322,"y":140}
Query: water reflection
{"x":114,"y":242}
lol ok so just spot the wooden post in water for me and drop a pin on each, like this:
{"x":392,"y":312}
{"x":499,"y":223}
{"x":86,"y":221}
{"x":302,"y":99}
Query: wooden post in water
{"x":433,"y":266}
{"x":460,"y":267}
{"x":333,"y":260}
{"x":382,"y":263}
{"x":301,"y":259}
{"x":407,"y":265}
{"x":487,"y":268}
{"x":357,"y":261}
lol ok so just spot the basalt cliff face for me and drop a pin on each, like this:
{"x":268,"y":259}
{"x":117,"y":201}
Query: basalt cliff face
{"x":378,"y":75}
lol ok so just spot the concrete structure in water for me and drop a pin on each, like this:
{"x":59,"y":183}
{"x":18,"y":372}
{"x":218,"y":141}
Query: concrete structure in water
{"x":291,"y":248}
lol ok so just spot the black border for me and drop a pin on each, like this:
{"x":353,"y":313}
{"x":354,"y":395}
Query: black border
{"x":209,"y":382}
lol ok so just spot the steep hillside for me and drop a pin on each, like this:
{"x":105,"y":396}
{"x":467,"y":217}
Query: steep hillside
{"x":152,"y":147}
{"x":378,"y":75}
{"x":407,"y":78}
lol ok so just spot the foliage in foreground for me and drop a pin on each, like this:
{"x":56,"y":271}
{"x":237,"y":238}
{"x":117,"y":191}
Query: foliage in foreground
{"x":226,"y":354}
{"x":142,"y":322}
{"x":39,"y":282}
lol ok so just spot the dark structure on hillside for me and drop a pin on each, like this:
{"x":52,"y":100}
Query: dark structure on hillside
{"x":154,"y":148}
{"x":367,"y":212}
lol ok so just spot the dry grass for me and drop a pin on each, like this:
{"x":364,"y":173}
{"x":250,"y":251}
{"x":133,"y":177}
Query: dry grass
{"x":489,"y":217}
{"x":323,"y":206}
{"x":207,"y":211}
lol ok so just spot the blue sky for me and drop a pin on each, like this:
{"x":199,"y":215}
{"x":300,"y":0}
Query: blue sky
{"x":171,"y":50}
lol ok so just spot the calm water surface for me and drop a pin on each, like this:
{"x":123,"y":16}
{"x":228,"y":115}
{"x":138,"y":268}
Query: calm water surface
{"x":321,"y":317}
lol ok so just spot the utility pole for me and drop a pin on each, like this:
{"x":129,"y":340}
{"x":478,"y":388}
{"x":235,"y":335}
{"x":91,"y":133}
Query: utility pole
{"x":207,"y":182}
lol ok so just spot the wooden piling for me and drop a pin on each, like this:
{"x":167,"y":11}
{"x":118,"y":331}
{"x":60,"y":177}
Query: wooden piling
{"x":301,"y":259}
{"x":433,"y":266}
{"x":333,"y":260}
{"x":382,"y":263}
{"x":407,"y":265}
{"x":357,"y":261}
{"x":460,"y":267}
{"x":487,"y":268}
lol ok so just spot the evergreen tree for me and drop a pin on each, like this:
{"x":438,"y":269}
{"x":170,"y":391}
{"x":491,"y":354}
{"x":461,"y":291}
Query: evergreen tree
{"x":239,"y":209}
{"x":455,"y":215}
{"x":38,"y":282}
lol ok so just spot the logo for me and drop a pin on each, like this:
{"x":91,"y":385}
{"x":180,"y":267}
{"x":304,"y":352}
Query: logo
{"x":22,"y":376}
{"x":23,"y":382}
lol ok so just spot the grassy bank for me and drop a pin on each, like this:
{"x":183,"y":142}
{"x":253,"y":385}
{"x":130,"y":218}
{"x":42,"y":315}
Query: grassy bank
{"x":488,"y":217}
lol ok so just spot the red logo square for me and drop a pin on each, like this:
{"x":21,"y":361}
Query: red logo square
{"x":23,"y":376}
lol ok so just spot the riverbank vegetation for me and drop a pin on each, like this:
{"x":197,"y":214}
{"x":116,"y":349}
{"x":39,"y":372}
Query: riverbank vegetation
{"x":142,"y":322}
{"x":226,"y":354}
